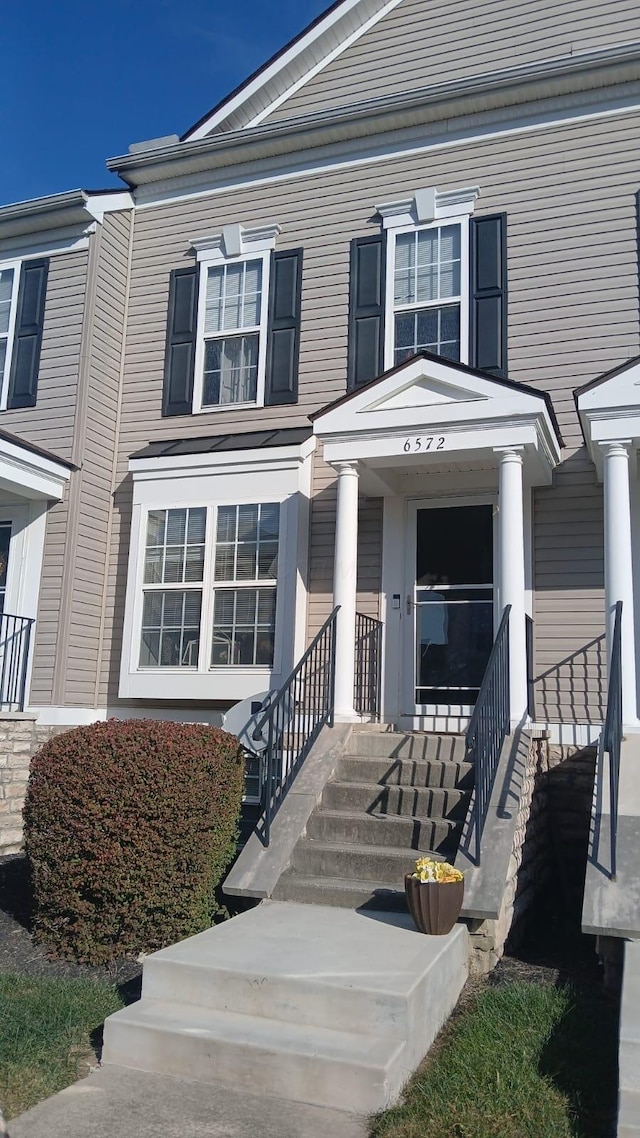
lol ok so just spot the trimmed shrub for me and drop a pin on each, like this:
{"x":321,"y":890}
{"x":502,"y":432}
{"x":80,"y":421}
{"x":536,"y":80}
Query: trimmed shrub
{"x":129,"y":827}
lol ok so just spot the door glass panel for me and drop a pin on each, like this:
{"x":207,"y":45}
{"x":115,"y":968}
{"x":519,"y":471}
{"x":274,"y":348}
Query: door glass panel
{"x":453,"y":603}
{"x":5,"y":538}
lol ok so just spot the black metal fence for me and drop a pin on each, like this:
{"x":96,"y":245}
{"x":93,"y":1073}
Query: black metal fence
{"x":368,"y":666}
{"x":293,"y":720}
{"x":612,"y":736}
{"x":15,"y":641}
{"x":489,"y":727}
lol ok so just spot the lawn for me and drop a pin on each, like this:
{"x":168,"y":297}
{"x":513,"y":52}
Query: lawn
{"x":524,"y":1060}
{"x":46,"y":1030}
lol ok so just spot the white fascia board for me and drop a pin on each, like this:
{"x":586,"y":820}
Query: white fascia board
{"x":70,"y":240}
{"x":99,"y":204}
{"x":30,"y":475}
{"x":290,"y":70}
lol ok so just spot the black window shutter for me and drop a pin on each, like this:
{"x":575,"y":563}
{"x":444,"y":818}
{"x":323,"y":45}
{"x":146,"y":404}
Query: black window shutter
{"x":283,"y":338}
{"x":25,"y":359}
{"x":488,"y":316}
{"x":366,"y":309}
{"x":182,"y":320}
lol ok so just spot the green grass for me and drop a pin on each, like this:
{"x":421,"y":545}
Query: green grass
{"x":45,"y":1035}
{"x":524,"y":1061}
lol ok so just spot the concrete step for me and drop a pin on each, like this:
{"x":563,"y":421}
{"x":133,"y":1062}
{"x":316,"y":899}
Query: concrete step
{"x":384,"y":830}
{"x":405,"y":772}
{"x":318,"y":1005}
{"x":361,"y":863}
{"x":408,"y":745}
{"x":339,"y":892}
{"x":407,"y":801}
{"x":344,"y":1070}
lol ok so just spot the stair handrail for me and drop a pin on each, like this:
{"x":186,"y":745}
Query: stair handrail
{"x":15,"y":643}
{"x":489,"y":727}
{"x":612,"y":736}
{"x":294,"y":718}
{"x":367,"y":695}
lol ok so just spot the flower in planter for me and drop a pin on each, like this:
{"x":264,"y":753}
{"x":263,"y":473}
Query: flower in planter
{"x":428,"y":869}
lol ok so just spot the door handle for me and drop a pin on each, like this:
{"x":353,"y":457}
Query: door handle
{"x":409,"y":604}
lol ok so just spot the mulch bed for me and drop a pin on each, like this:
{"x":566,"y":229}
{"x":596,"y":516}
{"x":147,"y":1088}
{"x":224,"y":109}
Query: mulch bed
{"x":19,"y":953}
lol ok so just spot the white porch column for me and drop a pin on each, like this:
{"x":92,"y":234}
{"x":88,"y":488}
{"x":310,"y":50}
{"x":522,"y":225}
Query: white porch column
{"x":512,"y":575}
{"x":344,"y":587}
{"x":618,"y":566}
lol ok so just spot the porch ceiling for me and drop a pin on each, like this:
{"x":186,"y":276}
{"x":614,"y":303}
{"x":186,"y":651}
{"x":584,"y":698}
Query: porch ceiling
{"x":429,"y":414}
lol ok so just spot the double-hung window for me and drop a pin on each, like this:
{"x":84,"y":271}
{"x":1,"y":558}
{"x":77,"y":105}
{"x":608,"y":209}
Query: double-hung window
{"x":9,"y":274}
{"x":210,"y":587}
{"x":231,"y":356}
{"x":426,"y":292}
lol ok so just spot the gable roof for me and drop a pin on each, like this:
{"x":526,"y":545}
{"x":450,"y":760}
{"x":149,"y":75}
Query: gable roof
{"x":455,"y":369}
{"x":290,"y":67}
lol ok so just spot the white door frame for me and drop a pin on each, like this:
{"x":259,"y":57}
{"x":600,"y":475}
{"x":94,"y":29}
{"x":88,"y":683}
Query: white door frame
{"x":443,"y":717}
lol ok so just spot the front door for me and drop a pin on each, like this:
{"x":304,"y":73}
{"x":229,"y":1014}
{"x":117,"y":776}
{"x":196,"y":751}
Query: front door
{"x":450,"y":605}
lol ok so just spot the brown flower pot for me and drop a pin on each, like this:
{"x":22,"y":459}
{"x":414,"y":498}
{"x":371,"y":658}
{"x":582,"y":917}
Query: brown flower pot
{"x":434,"y":905}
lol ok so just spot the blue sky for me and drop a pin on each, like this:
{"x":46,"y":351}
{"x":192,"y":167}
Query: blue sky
{"x":80,"y":80}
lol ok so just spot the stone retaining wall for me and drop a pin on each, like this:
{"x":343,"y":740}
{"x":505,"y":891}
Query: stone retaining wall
{"x":20,"y":738}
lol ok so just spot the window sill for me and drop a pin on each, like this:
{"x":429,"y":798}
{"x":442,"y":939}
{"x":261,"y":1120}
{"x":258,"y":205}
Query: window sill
{"x":221,"y":407}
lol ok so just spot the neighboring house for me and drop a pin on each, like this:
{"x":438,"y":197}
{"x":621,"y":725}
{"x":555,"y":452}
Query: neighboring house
{"x":407,"y":191}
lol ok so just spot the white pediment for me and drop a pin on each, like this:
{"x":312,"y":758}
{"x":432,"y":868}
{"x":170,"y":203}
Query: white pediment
{"x":609,"y":410}
{"x":617,"y":389}
{"x":425,"y":391}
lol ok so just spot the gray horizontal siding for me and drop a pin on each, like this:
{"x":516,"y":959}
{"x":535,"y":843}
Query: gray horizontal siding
{"x":573,"y":307}
{"x":420,"y":43}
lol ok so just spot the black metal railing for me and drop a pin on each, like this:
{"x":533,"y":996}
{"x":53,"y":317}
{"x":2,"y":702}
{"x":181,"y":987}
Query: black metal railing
{"x":293,"y":720}
{"x":368,"y":666}
{"x":489,"y":727}
{"x":612,"y":736}
{"x":15,"y":641}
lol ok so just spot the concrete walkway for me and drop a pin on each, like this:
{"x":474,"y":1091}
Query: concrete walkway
{"x":117,"y":1103}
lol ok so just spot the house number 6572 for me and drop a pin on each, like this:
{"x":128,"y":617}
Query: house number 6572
{"x":425,"y":442}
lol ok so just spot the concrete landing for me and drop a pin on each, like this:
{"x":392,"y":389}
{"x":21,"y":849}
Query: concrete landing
{"x":115,"y":1103}
{"x":322,"y":1005}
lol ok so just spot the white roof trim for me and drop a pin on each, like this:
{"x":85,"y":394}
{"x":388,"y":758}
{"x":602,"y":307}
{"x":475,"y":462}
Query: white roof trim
{"x":31,"y":475}
{"x":306,"y":56}
{"x":609,"y":411}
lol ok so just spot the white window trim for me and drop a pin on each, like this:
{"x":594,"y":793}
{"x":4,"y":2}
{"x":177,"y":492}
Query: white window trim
{"x":207,"y":588}
{"x":4,"y":389}
{"x":234,"y":245}
{"x":463,"y":221}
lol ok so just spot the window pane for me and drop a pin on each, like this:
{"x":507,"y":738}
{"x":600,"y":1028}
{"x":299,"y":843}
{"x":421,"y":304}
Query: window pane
{"x":170,"y":629}
{"x":268,"y":561}
{"x":153,"y":566}
{"x":246,"y":563}
{"x":247,"y":523}
{"x":213,"y":306}
{"x":252,"y":294}
{"x":434,"y":330}
{"x":225,"y":563}
{"x":231,"y":370}
{"x":405,"y":268}
{"x":269,"y":522}
{"x":197,"y":525}
{"x":194,"y":565}
{"x":155,"y":527}
{"x":3,"y":356}
{"x":232,"y":317}
{"x":6,"y":292}
{"x":227,"y":523}
{"x":243,"y":627}
{"x":176,"y":526}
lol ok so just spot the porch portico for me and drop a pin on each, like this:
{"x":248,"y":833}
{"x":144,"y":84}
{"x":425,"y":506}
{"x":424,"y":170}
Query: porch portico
{"x":432,"y":435}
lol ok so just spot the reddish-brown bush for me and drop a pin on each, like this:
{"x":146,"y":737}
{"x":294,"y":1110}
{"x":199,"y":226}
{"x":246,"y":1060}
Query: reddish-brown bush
{"x":129,"y":827}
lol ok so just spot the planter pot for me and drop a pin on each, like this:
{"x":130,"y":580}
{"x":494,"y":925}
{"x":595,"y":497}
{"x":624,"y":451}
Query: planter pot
{"x":434,"y":905}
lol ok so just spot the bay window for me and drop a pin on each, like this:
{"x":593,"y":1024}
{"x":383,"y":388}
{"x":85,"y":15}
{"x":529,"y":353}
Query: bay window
{"x":210,"y":586}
